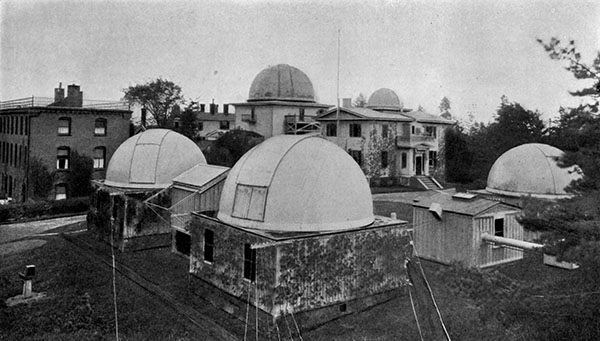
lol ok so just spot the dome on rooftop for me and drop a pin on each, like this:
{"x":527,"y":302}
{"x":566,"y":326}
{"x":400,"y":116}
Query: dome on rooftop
{"x":531,"y":169}
{"x":296,"y":183}
{"x":384,"y":99}
{"x":281,"y":83}
{"x":151,"y":160}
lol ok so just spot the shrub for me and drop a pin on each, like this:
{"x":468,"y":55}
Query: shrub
{"x":35,"y":209}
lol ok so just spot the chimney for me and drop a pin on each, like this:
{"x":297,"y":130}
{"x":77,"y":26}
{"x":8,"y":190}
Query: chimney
{"x":225,"y":109}
{"x":74,"y":96}
{"x":202,"y":107}
{"x":346,"y":102}
{"x":59,"y":93}
{"x":213,"y":107}
{"x":143,"y":117}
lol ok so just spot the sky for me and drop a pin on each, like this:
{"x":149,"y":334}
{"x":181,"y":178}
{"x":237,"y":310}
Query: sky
{"x":472,"y":52}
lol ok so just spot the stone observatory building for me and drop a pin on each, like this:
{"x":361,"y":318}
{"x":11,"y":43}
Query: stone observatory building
{"x":295,"y":234}
{"x":133,"y":198}
{"x":281,"y":101}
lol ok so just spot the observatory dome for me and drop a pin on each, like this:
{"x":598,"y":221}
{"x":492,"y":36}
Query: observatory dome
{"x":384,"y":99}
{"x":152,"y":159}
{"x":281,"y":83}
{"x":531,"y":169}
{"x":293,"y":183}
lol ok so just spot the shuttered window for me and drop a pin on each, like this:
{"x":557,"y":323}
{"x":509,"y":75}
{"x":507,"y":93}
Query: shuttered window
{"x":249,"y":202}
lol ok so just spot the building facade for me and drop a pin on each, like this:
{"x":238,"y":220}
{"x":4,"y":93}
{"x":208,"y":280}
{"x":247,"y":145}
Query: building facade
{"x":386,"y":139}
{"x":50,"y":131}
{"x":281,"y":101}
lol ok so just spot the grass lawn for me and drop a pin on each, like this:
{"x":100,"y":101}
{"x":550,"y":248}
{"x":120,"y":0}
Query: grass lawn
{"x":80,"y":301}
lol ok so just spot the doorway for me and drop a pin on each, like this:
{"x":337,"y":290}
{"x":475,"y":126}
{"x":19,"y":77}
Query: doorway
{"x":419,"y":164}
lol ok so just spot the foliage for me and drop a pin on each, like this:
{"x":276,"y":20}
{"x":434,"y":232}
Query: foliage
{"x":230,"y":147}
{"x":159,"y":97}
{"x":36,"y":209}
{"x":40,"y":179}
{"x":360,"y":101}
{"x":377,"y":144}
{"x":456,"y":155}
{"x":188,"y":121}
{"x":80,"y":175}
{"x":445,"y":109}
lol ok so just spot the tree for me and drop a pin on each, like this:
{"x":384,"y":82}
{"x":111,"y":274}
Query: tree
{"x":40,"y":179}
{"x":159,"y":97}
{"x":360,"y":101}
{"x":379,"y":158}
{"x":80,"y":175}
{"x":456,"y":155}
{"x":188,"y":121}
{"x":445,"y":110}
{"x":229,"y":148}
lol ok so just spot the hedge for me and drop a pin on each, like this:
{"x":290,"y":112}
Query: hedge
{"x":37,"y":209}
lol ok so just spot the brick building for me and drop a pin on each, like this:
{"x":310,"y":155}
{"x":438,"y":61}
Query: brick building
{"x":50,"y":130}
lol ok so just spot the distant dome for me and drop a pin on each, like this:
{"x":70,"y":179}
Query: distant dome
{"x":282,"y":83}
{"x":152,"y":159}
{"x":531,"y":169}
{"x":293,"y":183}
{"x":384,"y":99}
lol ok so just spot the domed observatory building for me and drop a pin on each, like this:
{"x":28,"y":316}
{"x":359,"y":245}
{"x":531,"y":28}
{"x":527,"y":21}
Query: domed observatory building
{"x":391,"y":143}
{"x":281,"y":101}
{"x":131,"y":201}
{"x":295,"y":233}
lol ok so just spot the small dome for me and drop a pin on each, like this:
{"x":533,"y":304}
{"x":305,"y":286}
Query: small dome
{"x":384,"y":99}
{"x":531,"y":169}
{"x":282,"y":83}
{"x":152,"y":159}
{"x":293,"y":183}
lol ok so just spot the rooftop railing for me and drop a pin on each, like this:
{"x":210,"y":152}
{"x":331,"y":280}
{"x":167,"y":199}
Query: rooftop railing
{"x":35,"y":101}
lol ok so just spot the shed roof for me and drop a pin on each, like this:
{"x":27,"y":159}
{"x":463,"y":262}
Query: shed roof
{"x":200,"y":175}
{"x":370,"y":114}
{"x":470,"y":207}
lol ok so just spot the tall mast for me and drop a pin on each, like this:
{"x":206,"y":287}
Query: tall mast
{"x":337,"y":113}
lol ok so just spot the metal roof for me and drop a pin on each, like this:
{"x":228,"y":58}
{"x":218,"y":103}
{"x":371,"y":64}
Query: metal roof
{"x":386,"y":99}
{"x":152,"y":159}
{"x":296,"y":183}
{"x":281,"y":82}
{"x":200,"y":175}
{"x":445,"y":199}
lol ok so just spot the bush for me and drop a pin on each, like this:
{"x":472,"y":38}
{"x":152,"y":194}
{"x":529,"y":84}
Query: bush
{"x":35,"y":209}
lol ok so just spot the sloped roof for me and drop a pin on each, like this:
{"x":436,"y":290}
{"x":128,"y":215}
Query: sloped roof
{"x":531,"y":169}
{"x":200,"y":175}
{"x":296,"y":183}
{"x":421,"y":116}
{"x":470,"y":207}
{"x":152,"y":159}
{"x":363,"y":114}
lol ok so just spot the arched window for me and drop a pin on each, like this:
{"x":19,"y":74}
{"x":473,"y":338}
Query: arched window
{"x":60,"y":192}
{"x":64,"y":126}
{"x":63,"y":155}
{"x":100,"y":127}
{"x":99,"y":157}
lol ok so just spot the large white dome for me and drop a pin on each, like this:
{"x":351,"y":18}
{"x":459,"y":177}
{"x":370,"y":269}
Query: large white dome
{"x":150,"y":160}
{"x":282,"y":83}
{"x":531,"y":169}
{"x":296,"y":184}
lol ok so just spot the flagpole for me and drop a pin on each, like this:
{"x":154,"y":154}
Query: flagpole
{"x":337,"y":113}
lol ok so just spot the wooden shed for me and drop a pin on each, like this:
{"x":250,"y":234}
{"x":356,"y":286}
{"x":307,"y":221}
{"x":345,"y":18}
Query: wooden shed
{"x":196,"y":190}
{"x":448,"y":228}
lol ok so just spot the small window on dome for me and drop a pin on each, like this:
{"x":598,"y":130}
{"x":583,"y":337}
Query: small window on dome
{"x":249,"y":202}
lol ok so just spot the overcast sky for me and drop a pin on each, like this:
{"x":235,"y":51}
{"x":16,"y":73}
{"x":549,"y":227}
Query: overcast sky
{"x":473,"y":52}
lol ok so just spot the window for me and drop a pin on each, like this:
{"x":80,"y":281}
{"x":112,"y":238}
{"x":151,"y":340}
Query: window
{"x":61,"y":192}
{"x":209,"y":245}
{"x":64,"y":126}
{"x":384,"y":131}
{"x":355,"y":130}
{"x":182,"y":242}
{"x":200,"y":126}
{"x":432,"y":159}
{"x":249,"y":202}
{"x":331,"y":129}
{"x":224,"y":125}
{"x":252,"y":115}
{"x":412,"y":129}
{"x":21,"y":125}
{"x":499,"y":227}
{"x":62,"y":158}
{"x":99,"y":157}
{"x":100,"y":127}
{"x":404,"y":158}
{"x":357,"y":156}
{"x":301,"y":118}
{"x":431,"y":131}
{"x":249,"y":263}
{"x":384,"y":159}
